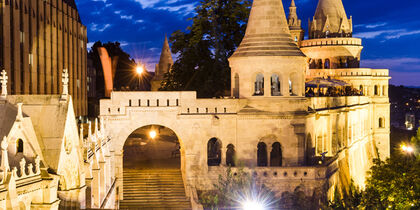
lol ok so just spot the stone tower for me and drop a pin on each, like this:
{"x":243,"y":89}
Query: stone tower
{"x":330,"y":20}
{"x":295,"y":24}
{"x":267,"y":63}
{"x":164,"y":66}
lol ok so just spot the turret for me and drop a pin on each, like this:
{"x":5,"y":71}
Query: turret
{"x":295,"y":24}
{"x":330,"y":20}
{"x":164,"y":66}
{"x":267,"y":63}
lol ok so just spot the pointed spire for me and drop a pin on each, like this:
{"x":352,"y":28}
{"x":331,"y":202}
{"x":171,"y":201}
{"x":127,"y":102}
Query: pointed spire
{"x":165,"y":62}
{"x":3,"y":81}
{"x":331,"y":20}
{"x":267,"y":32}
{"x":293,"y":20}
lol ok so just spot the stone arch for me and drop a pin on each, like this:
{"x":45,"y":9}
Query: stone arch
{"x":276,"y":155}
{"x":327,"y":64}
{"x":230,"y":155}
{"x":275,"y":85}
{"x":376,"y":90}
{"x":262,"y":154}
{"x":22,"y":205}
{"x":259,"y":84}
{"x":214,"y":152}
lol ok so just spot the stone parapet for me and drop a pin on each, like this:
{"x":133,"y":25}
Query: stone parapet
{"x":331,"y":42}
{"x":319,"y":103}
{"x":346,"y":72}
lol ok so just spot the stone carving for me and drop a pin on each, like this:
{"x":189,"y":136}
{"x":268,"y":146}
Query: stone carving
{"x":3,"y":81}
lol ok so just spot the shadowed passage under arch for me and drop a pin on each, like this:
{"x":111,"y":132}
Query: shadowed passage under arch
{"x":152,"y":146}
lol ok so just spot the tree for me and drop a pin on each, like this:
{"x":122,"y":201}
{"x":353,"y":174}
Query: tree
{"x":204,"y":48}
{"x":415,"y":142}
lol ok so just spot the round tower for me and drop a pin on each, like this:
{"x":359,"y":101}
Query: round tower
{"x":268,"y":63}
{"x":330,"y":44}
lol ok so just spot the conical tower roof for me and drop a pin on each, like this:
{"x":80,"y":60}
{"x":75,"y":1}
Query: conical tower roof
{"x":267,"y":33}
{"x":165,"y":61}
{"x":331,"y":12}
{"x":166,"y":55}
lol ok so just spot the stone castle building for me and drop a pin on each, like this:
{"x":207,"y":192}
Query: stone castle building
{"x":301,"y":112}
{"x":38,"y":40}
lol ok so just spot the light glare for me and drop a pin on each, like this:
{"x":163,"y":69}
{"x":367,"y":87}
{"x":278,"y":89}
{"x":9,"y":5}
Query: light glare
{"x":152,"y":134}
{"x":252,"y":205}
{"x":139,"y":70}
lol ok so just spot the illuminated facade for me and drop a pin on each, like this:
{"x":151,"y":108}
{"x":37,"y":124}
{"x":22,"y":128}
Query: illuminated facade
{"x":38,"y":40}
{"x":276,"y":130}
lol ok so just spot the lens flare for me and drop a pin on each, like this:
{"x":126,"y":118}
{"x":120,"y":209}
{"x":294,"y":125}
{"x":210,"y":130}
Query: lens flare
{"x":152,"y":134}
{"x":252,"y":205}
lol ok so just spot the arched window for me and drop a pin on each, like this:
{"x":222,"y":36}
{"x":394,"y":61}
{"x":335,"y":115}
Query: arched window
{"x":381,"y":122}
{"x":259,"y":85}
{"x":262,"y":154}
{"x":236,"y":87}
{"x":384,"y":92}
{"x":276,"y":155}
{"x":327,"y":64}
{"x":290,"y":87}
{"x":275,"y":85}
{"x":214,"y":152}
{"x":19,"y":146}
{"x":361,"y":90}
{"x":319,"y":64}
{"x":296,"y":39}
{"x":376,"y":90}
{"x":230,"y":155}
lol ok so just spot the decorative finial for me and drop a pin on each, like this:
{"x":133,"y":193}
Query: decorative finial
{"x":19,"y":116}
{"x":3,"y":81}
{"x":65,"y":81}
{"x":4,"y":157}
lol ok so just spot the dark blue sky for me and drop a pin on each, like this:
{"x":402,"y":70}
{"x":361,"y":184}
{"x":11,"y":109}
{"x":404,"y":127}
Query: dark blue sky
{"x":390,"y":29}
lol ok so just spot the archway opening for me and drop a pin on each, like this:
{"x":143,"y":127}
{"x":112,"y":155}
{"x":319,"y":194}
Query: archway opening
{"x":214,"y":152}
{"x":262,"y":155}
{"x":152,"y":147}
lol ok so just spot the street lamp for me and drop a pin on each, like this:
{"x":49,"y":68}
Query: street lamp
{"x":139,"y":70}
{"x":152,"y":134}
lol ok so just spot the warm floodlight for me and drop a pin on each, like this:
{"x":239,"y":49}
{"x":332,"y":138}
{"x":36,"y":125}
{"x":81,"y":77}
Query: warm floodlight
{"x":252,"y":205}
{"x":139,"y":70}
{"x":152,"y":134}
{"x":407,"y":149}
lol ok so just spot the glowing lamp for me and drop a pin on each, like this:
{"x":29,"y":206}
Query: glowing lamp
{"x":139,"y":70}
{"x":152,"y":134}
{"x":252,"y":205}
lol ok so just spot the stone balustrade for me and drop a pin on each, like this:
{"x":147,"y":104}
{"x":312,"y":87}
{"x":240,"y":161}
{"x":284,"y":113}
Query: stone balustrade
{"x":25,"y":170}
{"x":352,"y":72}
{"x":331,"y":42}
{"x":318,"y":103}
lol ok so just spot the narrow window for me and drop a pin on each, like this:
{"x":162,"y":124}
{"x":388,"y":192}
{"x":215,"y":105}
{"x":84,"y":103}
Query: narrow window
{"x":177,"y":102}
{"x":259,"y":85}
{"x":19,"y":146}
{"x":214,"y":152}
{"x":157,"y":102}
{"x":276,"y":155}
{"x":262,"y":155}
{"x":167,"y":102}
{"x":139,"y":102}
{"x":275,"y":85}
{"x":129,"y":102}
{"x":148,"y":102}
{"x":230,"y":155}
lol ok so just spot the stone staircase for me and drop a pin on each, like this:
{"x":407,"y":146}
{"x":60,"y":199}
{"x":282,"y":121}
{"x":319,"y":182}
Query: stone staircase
{"x":154,"y":189}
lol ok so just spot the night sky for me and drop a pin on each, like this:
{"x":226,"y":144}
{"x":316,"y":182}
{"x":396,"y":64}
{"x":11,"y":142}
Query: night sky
{"x":390,"y":29}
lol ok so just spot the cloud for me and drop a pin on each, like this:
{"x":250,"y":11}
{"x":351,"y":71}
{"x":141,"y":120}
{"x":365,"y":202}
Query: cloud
{"x":370,"y":26}
{"x":126,"y":17}
{"x":402,"y":33}
{"x":388,"y":34}
{"x":184,"y":9}
{"x":401,"y":64}
{"x":148,"y":3}
{"x":97,"y":27}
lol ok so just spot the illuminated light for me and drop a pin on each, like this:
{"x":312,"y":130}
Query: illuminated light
{"x":252,"y":205}
{"x":139,"y":70}
{"x":410,"y":149}
{"x":152,"y":134}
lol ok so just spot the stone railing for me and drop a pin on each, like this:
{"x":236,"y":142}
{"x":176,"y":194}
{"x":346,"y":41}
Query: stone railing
{"x":331,"y":42}
{"x":337,"y":102}
{"x":352,"y":72}
{"x":278,"y":173}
